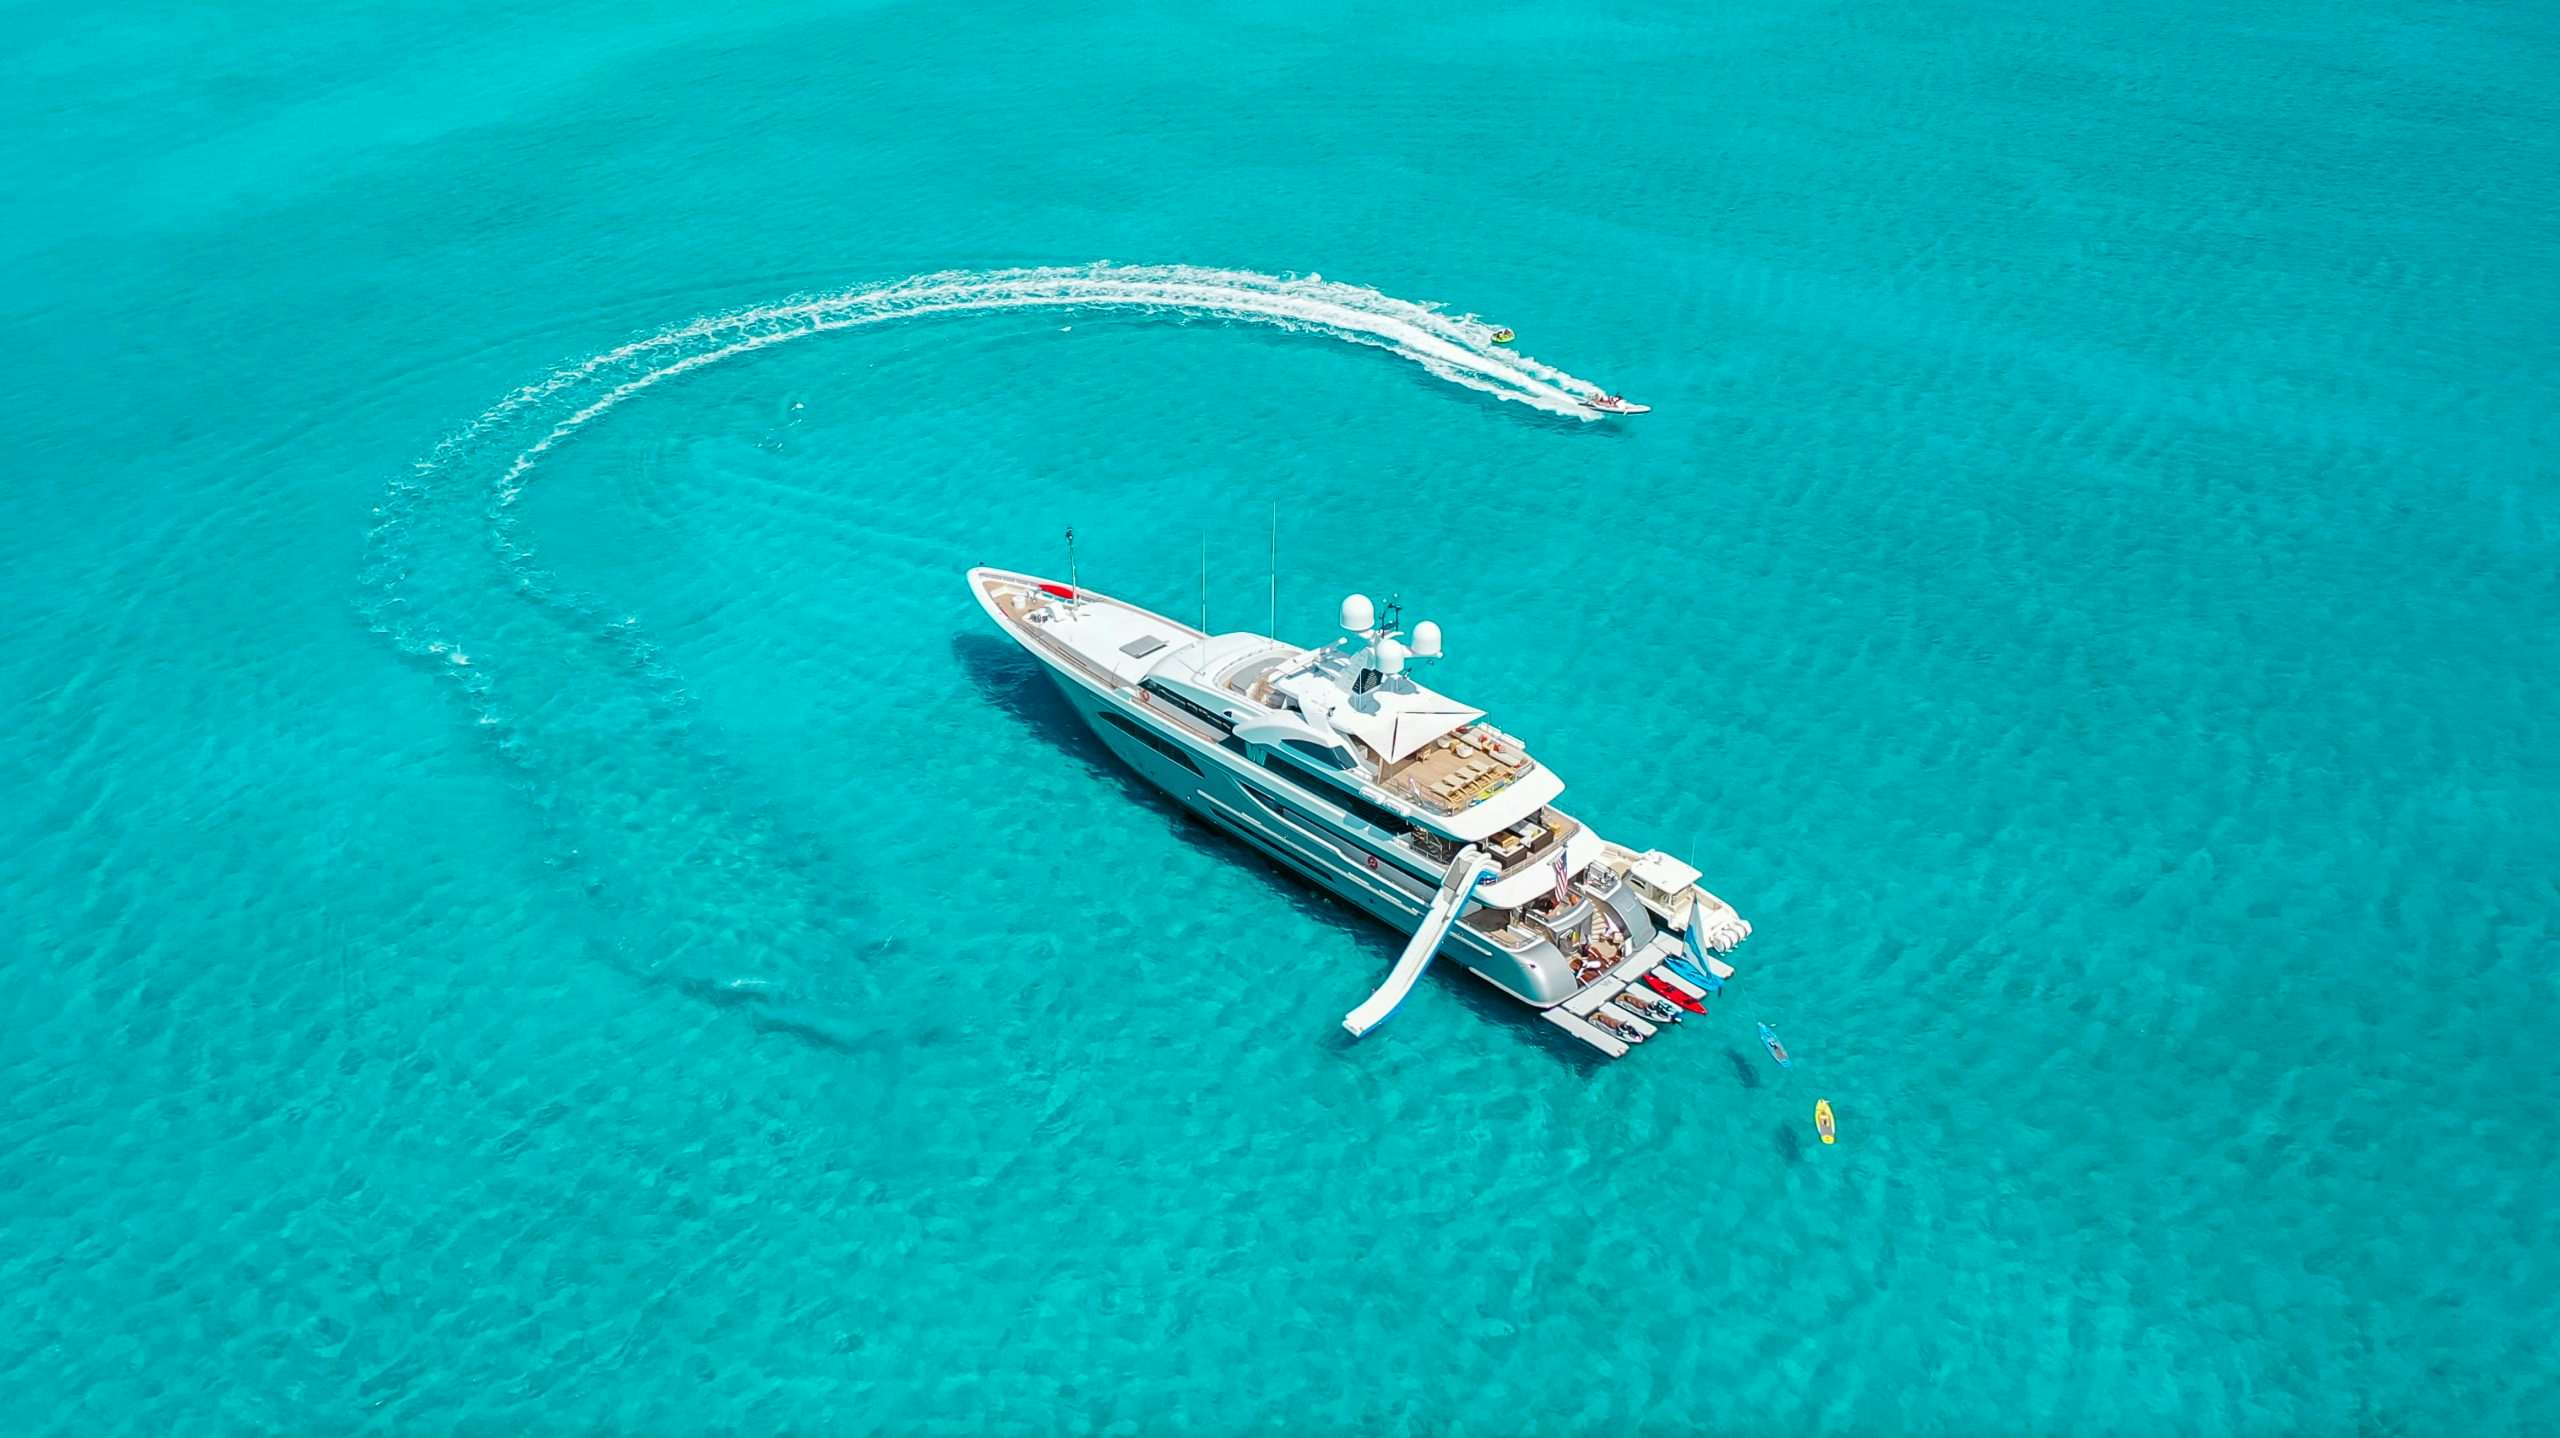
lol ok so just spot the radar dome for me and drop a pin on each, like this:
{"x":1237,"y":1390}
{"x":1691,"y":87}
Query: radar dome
{"x":1426,"y":640}
{"x":1358,"y":613}
{"x":1391,"y":656}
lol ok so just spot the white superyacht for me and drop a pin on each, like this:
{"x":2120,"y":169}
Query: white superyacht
{"x":1335,"y":762}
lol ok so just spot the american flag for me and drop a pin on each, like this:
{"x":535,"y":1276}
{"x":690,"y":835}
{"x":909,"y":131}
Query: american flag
{"x":1564,"y":891}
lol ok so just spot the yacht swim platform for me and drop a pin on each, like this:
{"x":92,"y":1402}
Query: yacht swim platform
{"x":1332,"y":761}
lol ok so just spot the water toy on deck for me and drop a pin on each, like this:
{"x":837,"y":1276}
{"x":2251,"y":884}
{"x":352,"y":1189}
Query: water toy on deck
{"x":1502,"y":336}
{"x":1777,"y":1050}
{"x":1822,"y":1118}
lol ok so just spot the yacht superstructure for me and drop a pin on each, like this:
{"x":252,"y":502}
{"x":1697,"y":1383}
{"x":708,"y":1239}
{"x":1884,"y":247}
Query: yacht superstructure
{"x":1333,"y":761}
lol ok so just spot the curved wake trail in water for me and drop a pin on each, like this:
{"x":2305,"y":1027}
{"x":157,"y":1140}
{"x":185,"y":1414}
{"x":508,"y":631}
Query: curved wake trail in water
{"x":689,"y":878}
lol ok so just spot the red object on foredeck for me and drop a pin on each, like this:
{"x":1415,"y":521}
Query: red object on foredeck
{"x":1060,"y":590}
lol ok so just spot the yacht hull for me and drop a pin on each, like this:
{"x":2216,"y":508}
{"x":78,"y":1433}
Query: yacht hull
{"x":1274,"y":818}
{"x":1096,"y":651}
{"x":1267,"y":822}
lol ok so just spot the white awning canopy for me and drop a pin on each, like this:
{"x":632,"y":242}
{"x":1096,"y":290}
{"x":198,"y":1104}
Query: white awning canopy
{"x":1402,"y":723}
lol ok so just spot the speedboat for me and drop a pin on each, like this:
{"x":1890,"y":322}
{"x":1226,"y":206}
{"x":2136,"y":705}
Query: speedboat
{"x":1614,"y":404}
{"x":1333,"y":762}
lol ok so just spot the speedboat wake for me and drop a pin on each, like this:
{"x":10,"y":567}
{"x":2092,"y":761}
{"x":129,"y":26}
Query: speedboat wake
{"x":597,"y":731}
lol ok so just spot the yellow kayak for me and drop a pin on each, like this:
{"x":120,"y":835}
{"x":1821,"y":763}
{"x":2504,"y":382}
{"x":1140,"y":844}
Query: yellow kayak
{"x":1822,"y":1118}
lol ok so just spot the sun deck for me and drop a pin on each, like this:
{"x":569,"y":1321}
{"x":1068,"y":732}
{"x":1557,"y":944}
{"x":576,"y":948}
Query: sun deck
{"x":1448,"y":775}
{"x":1458,"y":771}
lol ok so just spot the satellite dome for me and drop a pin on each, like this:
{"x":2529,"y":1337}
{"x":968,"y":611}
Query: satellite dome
{"x":1358,"y":613}
{"x":1426,"y":640}
{"x":1391,"y":656}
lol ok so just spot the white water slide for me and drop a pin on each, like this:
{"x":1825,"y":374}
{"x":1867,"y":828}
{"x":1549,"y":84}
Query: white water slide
{"x":1466,"y":871}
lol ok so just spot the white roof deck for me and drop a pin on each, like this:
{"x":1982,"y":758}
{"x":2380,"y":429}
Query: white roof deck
{"x":1203,"y":662}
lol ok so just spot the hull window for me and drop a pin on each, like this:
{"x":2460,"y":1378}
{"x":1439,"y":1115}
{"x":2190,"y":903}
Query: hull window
{"x":1151,"y":739}
{"x":1330,"y":758}
{"x":1219,"y":722}
{"x":1377,"y":816}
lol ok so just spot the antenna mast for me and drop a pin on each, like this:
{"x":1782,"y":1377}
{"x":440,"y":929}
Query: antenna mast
{"x":1274,"y":630}
{"x":1204,"y":584}
{"x":1071,"y":565}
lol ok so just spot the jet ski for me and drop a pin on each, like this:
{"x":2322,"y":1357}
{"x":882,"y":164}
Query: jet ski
{"x":1650,"y":1006}
{"x":1673,"y":993}
{"x":1822,"y":1120}
{"x":1617,"y":1023}
{"x":1777,"y":1050}
{"x":1614,"y":404}
{"x":1629,"y":1014}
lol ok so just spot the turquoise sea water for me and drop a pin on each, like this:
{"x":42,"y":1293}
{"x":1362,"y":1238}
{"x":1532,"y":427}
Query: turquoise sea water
{"x":2086,"y":592}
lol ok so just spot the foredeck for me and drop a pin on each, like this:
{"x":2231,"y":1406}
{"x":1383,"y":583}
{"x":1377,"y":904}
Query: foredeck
{"x":1118,"y":641}
{"x":1018,"y":604}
